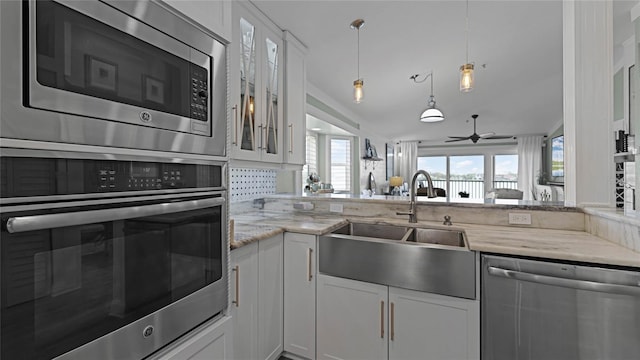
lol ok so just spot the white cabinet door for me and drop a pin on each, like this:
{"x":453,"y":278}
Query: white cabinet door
{"x":351,"y":320}
{"x":256,"y":84}
{"x":215,"y":16}
{"x":244,"y":296}
{"x":296,"y":99}
{"x":270,"y":293}
{"x":273,"y":95}
{"x":210,"y":341}
{"x":300,"y":294}
{"x":429,"y":326}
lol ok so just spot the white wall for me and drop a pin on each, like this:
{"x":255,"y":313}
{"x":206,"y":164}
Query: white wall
{"x":359,"y":128}
{"x":588,"y":102}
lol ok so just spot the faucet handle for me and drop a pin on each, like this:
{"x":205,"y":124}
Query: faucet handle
{"x":447,"y":220}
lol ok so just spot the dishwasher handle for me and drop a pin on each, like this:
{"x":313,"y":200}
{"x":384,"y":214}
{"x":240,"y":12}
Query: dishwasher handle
{"x":564,"y":282}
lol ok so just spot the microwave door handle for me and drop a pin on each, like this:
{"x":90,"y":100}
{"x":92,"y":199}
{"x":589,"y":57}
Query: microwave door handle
{"x":50,"y":221}
{"x":564,"y":282}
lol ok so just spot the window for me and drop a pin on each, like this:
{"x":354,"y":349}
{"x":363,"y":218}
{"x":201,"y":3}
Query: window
{"x":311,"y":157}
{"x":505,"y":172}
{"x":341,"y":164}
{"x":436,"y":166}
{"x":466,"y":174}
{"x":463,"y":174}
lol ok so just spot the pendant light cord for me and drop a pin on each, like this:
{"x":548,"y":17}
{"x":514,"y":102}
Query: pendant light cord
{"x":358,"y":53}
{"x":467,"y":31}
{"x":431,"y":74}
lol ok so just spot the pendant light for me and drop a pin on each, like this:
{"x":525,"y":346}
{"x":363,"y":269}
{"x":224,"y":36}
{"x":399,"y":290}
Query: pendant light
{"x":432,"y":113}
{"x":466,"y":70}
{"x":358,"y":92}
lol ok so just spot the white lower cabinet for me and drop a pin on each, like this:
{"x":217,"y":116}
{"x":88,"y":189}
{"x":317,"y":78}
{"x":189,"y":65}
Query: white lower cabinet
{"x":300,"y":295}
{"x":431,"y":326}
{"x":270,"y":296}
{"x":351,"y":321}
{"x":244,"y":298}
{"x":257,"y":299}
{"x":210,"y":341}
{"x":359,"y":320}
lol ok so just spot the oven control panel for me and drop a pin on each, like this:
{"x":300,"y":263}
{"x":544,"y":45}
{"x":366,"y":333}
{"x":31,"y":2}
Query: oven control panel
{"x":129,"y":176}
{"x":30,"y":176}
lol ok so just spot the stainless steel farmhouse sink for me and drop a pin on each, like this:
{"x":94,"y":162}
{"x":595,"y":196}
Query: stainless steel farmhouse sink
{"x":423,"y":259}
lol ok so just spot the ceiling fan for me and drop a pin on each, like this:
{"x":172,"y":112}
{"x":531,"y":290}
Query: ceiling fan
{"x":475,"y":137}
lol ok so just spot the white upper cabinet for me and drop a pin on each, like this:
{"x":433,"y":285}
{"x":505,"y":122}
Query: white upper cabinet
{"x":256,"y":88}
{"x":295,"y":111}
{"x":214,"y":16}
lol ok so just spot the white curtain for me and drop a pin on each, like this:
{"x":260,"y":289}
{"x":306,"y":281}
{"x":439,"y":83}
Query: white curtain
{"x":406,"y":160}
{"x":529,"y":164}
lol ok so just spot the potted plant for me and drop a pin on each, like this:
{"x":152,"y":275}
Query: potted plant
{"x":463,"y":194}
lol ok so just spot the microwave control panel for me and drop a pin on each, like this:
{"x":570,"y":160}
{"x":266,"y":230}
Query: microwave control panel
{"x":199,"y":93}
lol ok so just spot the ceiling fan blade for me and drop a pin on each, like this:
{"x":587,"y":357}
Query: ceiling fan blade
{"x":499,"y":137}
{"x":462,"y":139}
{"x":487,"y":135}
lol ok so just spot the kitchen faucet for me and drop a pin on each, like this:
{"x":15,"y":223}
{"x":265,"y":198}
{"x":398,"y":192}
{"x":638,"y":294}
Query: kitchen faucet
{"x":413,"y":218}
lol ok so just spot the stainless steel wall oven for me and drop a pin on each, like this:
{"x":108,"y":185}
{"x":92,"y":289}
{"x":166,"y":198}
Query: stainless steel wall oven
{"x":127,"y":74}
{"x":107,"y":256}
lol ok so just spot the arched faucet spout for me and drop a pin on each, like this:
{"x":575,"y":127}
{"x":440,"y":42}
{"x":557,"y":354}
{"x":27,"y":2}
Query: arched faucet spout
{"x":413,"y":218}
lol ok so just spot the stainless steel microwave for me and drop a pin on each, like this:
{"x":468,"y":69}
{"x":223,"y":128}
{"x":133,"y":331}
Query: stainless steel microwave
{"x":130,"y":74}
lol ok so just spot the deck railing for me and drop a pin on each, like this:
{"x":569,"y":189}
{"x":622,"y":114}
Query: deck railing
{"x":475,"y":188}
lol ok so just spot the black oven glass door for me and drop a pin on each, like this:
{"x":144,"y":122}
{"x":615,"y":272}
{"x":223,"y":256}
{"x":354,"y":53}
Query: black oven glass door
{"x":65,"y":286}
{"x":103,"y":66}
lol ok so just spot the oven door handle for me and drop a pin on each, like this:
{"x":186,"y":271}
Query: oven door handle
{"x":578,"y":284}
{"x":50,"y":221}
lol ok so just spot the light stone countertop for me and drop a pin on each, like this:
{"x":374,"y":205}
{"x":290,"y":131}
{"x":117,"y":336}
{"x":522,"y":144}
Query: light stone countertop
{"x":535,"y":242}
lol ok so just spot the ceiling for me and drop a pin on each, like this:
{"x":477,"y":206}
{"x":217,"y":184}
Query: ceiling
{"x":515,"y":45}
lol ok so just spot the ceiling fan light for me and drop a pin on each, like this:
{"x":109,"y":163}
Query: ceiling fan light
{"x":466,"y":77}
{"x":432,"y":114}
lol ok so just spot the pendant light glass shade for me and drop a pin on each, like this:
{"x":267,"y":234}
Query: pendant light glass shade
{"x":358,"y":92}
{"x":466,"y":77}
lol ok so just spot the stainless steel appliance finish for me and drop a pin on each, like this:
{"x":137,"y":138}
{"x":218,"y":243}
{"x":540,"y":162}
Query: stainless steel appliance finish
{"x":110,"y":103}
{"x":440,"y":269}
{"x":543,"y":310}
{"x":107,"y":258}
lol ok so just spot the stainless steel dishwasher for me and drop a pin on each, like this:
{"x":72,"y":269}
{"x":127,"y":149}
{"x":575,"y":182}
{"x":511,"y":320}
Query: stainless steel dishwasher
{"x":543,"y":310}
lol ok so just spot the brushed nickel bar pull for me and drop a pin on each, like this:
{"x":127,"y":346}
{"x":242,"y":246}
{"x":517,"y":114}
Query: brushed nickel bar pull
{"x":291,"y":138}
{"x":235,"y":124}
{"x":382,"y":319}
{"x":237,"y":300}
{"x":260,"y":135}
{"x":51,"y":221}
{"x":309,"y":259}
{"x":392,"y":322}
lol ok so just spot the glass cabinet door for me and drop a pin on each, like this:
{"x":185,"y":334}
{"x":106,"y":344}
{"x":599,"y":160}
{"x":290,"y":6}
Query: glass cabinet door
{"x":271,"y":100}
{"x":247,"y":85}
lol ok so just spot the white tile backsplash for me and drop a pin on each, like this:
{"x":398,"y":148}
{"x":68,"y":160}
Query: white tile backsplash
{"x":249,"y":184}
